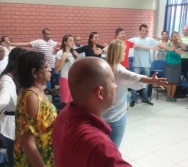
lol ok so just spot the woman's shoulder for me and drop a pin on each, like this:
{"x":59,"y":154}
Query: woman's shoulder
{"x":121,"y":70}
{"x":27,"y":93}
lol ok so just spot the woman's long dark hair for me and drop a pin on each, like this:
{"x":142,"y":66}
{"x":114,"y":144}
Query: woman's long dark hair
{"x":90,"y":43}
{"x":63,"y":45}
{"x":13,"y":60}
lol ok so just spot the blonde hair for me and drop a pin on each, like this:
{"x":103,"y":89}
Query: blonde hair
{"x":115,"y":53}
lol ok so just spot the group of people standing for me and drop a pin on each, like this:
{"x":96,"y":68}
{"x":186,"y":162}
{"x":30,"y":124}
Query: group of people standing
{"x":95,"y":90}
{"x":176,"y":64}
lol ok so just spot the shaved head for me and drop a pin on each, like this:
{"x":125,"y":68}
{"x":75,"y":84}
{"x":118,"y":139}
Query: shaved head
{"x":87,"y":74}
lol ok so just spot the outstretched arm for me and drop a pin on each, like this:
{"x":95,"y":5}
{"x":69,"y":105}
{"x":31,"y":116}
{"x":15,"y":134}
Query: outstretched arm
{"x":22,"y":44}
{"x":162,"y":82}
{"x":145,"y":46}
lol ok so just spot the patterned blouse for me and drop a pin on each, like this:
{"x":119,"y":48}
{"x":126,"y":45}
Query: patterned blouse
{"x":41,"y":128}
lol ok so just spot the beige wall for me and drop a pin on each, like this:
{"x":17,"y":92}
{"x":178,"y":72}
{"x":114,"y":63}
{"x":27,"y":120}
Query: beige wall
{"x":160,"y":17}
{"x":131,"y":4}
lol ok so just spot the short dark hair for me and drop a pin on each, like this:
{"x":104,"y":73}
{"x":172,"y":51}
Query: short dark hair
{"x":90,"y":43}
{"x":118,"y":30}
{"x":143,"y":25}
{"x":44,"y":30}
{"x":174,"y":32}
{"x":164,"y":31}
{"x":28,"y":61}
{"x":13,"y":60}
{"x":3,"y":38}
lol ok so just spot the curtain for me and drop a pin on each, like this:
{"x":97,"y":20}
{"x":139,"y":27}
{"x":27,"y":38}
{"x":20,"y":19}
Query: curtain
{"x":176,"y":15}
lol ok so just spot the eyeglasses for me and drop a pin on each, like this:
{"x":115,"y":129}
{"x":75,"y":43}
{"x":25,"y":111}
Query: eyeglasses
{"x":46,"y":66}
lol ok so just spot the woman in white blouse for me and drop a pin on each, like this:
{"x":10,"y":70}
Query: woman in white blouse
{"x":124,"y":79}
{"x":8,"y":100}
{"x":65,"y":57}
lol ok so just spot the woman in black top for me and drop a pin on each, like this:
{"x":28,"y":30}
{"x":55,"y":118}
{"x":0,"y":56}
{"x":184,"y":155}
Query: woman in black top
{"x":93,"y":48}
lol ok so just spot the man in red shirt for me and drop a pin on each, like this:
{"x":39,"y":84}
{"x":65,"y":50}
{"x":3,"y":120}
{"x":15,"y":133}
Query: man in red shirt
{"x":120,"y":34}
{"x":80,"y":136}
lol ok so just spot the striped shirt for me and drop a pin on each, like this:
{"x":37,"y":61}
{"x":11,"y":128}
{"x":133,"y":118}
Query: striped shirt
{"x":47,"y":48}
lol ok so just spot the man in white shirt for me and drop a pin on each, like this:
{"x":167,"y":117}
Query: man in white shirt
{"x":45,"y":45}
{"x":3,"y":61}
{"x":142,"y":60}
{"x":184,"y":57}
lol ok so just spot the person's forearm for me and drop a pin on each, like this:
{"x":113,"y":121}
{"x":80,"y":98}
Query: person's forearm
{"x":142,"y":46}
{"x":146,"y":79}
{"x":183,"y":46}
{"x":163,"y":46}
{"x":34,"y":156}
{"x":27,"y":142}
{"x":21,"y":44}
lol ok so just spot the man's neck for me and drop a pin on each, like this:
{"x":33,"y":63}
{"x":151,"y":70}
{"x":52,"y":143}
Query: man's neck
{"x":46,"y":39}
{"x":86,"y":108}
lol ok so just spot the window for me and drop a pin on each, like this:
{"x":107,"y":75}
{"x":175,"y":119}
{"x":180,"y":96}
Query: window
{"x":176,"y":15}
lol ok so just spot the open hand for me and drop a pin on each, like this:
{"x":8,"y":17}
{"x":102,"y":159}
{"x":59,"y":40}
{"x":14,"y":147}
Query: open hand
{"x":162,"y":82}
{"x":98,"y":51}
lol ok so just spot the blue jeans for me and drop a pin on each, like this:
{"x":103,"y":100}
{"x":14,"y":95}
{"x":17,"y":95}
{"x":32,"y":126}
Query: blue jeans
{"x":118,"y":129}
{"x":143,"y":71}
{"x":9,"y":144}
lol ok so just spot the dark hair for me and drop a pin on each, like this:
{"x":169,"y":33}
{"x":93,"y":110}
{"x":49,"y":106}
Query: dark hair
{"x":90,"y":43}
{"x":28,"y":61}
{"x":44,"y":30}
{"x":13,"y":60}
{"x":164,"y":31}
{"x":174,"y":32}
{"x":63,"y":45}
{"x":143,"y":25}
{"x":118,"y":30}
{"x":3,"y":39}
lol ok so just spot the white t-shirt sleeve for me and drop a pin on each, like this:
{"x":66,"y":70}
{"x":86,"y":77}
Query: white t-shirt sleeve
{"x":153,"y":42}
{"x":59,"y":54}
{"x":128,"y":79}
{"x":5,"y":91}
{"x":35,"y":44}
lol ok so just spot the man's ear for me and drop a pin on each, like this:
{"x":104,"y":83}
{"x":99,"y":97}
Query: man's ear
{"x":100,"y":92}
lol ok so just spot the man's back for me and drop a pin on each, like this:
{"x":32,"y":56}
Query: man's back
{"x":80,"y":140}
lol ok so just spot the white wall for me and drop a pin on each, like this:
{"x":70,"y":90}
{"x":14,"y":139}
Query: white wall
{"x":131,"y":4}
{"x":160,"y":17}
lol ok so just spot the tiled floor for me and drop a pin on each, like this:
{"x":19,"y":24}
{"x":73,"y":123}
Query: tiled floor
{"x":157,"y":136}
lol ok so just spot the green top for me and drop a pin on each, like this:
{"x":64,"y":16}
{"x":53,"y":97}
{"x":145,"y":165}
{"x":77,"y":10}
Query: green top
{"x":173,"y":57}
{"x":41,"y":128}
